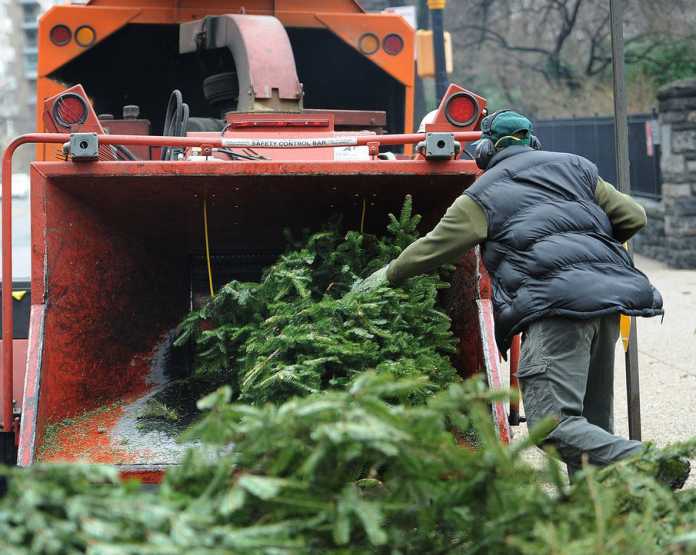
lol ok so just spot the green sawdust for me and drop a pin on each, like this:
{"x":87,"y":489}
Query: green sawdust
{"x":173,"y":409}
{"x":52,"y":433}
{"x":157,"y":409}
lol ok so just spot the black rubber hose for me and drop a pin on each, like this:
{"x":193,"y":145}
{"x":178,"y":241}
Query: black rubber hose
{"x":124,"y":153}
{"x":172,"y":121}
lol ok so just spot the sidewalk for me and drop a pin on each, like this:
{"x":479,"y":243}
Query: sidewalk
{"x":667,"y":359}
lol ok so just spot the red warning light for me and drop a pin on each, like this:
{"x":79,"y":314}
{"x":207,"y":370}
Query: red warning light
{"x":60,"y":35}
{"x":461,"y":110}
{"x":393,"y":44}
{"x":70,"y":109}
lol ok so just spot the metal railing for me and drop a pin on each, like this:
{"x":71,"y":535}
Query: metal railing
{"x":593,"y":138}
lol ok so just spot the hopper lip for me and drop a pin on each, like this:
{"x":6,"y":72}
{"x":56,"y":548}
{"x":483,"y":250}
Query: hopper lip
{"x":259,"y":168}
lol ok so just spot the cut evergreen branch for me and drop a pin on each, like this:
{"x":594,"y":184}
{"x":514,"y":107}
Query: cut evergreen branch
{"x":301,"y":330}
{"x":351,"y":471}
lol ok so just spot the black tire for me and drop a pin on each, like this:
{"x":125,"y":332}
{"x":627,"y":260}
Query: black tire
{"x":8,"y":450}
{"x":221,"y":88}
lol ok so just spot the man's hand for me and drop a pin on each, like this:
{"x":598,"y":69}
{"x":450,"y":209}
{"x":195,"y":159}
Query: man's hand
{"x":372,"y":281}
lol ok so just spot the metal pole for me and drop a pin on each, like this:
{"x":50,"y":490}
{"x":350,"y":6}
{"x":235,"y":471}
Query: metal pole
{"x":422,"y":23}
{"x":616,"y":8}
{"x":437,"y":9}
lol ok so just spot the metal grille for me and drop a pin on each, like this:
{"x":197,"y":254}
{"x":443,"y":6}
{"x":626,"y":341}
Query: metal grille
{"x":593,"y":138}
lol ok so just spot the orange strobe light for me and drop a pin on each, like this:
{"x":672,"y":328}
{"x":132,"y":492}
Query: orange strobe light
{"x":368,"y":43}
{"x":85,"y":36}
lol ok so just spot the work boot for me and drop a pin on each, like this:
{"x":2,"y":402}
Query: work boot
{"x":674,"y":472}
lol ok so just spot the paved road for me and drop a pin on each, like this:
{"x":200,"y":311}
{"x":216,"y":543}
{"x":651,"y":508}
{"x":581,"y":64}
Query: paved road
{"x":667,"y":360}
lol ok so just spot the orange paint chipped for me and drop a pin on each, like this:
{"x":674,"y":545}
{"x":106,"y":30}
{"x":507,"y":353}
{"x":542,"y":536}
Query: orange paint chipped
{"x":88,"y":437}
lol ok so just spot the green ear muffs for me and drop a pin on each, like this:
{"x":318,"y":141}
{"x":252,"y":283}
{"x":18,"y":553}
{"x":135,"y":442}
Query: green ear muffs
{"x":485,"y":147}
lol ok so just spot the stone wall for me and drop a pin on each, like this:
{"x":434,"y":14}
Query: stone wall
{"x":671,"y":232}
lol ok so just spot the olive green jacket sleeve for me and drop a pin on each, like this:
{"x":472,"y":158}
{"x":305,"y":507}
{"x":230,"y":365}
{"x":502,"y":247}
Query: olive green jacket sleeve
{"x":461,"y":228}
{"x":626,"y":215}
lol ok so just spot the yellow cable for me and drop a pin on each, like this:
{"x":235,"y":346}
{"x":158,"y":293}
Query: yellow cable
{"x":207,"y":246}
{"x":362,"y":216}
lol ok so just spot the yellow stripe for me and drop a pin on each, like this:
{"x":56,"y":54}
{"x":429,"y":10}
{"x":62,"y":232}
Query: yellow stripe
{"x":362,"y":216}
{"x":207,"y":246}
{"x":625,"y":324}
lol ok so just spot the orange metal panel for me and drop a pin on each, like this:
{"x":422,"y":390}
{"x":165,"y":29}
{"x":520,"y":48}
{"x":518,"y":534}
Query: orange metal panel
{"x":339,"y":6}
{"x":104,"y":21}
{"x":351,"y":27}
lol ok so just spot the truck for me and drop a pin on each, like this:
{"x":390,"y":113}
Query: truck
{"x":176,"y":142}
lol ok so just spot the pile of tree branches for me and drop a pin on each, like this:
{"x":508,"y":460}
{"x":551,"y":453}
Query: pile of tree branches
{"x":302,"y":329}
{"x":350,"y":471}
{"x":339,"y":430}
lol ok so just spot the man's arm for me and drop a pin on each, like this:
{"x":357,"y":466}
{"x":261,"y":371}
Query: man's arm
{"x":626,"y":215}
{"x":461,"y":228}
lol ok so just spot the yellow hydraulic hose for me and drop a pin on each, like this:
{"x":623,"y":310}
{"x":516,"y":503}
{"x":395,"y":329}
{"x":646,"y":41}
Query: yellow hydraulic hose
{"x":625,"y":327}
{"x":207,"y":246}
{"x":362,"y":216}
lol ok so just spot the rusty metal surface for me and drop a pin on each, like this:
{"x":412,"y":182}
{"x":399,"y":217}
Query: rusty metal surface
{"x":111,"y":247}
{"x":106,"y":301}
{"x":354,"y":119}
{"x":458,"y":173}
{"x":468,"y":304}
{"x":113,"y":433}
{"x":514,"y":381}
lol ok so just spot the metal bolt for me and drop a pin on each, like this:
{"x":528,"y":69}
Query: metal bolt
{"x":131,"y":111}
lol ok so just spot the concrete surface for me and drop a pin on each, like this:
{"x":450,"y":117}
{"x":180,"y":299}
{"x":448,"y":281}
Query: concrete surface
{"x":667,"y":361}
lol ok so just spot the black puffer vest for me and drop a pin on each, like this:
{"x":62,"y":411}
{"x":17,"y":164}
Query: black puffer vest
{"x":550,"y":249}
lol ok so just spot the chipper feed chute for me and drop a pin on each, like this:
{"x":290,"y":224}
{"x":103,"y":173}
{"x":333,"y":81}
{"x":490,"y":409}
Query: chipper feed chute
{"x":118,"y":257}
{"x":119,"y":246}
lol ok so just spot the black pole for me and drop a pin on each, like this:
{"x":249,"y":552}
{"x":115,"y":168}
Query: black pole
{"x":624,"y":181}
{"x":437,"y":9}
{"x":423,"y":15}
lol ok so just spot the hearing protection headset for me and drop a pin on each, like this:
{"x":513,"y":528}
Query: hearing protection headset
{"x":486,"y":148}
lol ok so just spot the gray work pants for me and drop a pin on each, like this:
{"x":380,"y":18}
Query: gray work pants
{"x":567,"y":372}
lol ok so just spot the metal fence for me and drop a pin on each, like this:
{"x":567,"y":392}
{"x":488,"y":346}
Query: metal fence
{"x":593,"y":138}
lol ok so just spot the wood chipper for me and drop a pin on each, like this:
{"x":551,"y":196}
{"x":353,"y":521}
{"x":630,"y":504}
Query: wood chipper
{"x":133,"y":222}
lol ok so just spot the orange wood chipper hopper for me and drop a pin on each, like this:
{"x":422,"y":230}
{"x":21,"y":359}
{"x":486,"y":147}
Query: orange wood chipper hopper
{"x":120,"y":226}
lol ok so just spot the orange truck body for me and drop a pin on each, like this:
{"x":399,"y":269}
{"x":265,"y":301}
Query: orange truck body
{"x":344,"y":19}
